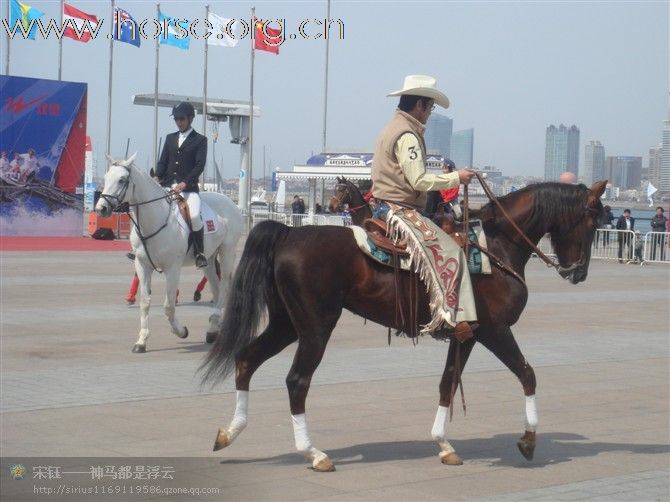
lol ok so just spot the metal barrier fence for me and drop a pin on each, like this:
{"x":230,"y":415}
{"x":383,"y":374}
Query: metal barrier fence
{"x":299,"y":220}
{"x":656,"y":247}
{"x":621,"y":245}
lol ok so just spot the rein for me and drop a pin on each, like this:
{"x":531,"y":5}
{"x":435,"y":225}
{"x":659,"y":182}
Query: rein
{"x":487,"y":190}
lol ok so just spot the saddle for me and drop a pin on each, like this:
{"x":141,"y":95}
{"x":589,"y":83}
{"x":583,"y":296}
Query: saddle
{"x":377,"y":233}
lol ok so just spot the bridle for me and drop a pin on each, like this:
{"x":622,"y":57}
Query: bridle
{"x":347,"y":191}
{"x":564,"y":272}
{"x":116,"y":200}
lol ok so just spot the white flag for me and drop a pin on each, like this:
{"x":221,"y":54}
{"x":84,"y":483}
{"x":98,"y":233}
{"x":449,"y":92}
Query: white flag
{"x":224,"y":32}
{"x":651,"y":190}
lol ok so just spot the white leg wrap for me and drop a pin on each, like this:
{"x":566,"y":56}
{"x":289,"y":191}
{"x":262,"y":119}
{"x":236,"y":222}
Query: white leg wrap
{"x":302,"y":442}
{"x":239,"y":421}
{"x":531,"y":414}
{"x":439,"y":431}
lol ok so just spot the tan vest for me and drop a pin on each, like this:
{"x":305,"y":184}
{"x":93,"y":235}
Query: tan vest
{"x":388,"y":181}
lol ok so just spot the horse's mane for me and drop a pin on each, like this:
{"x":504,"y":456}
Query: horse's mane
{"x":559,"y":203}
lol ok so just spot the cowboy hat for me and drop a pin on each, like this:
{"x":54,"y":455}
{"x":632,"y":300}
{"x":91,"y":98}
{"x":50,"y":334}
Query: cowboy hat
{"x":422,"y":85}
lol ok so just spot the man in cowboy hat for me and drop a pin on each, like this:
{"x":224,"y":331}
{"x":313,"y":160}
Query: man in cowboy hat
{"x":399,"y":177}
{"x":181,"y":163}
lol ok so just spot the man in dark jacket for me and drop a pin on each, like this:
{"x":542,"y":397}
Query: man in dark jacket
{"x":625,"y":222}
{"x":181,"y":163}
{"x":658,"y":224}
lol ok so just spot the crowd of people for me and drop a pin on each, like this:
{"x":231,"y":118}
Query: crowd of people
{"x":630,"y":240}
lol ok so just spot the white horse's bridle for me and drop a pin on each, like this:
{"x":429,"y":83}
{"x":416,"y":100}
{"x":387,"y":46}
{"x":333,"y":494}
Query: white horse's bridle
{"x":119,"y":199}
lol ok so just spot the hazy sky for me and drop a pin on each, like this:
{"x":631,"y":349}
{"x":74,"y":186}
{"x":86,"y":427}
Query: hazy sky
{"x":509,"y":68}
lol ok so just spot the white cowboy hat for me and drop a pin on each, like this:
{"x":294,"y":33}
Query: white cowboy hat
{"x":422,"y":85}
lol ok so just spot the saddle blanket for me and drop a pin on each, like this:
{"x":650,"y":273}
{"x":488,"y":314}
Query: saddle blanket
{"x":478,"y":263}
{"x":208,"y":215}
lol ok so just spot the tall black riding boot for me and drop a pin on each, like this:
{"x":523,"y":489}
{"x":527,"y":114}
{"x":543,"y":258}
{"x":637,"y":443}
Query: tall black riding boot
{"x":198,"y":248}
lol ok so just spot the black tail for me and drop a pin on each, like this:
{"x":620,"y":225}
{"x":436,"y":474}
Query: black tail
{"x":252,"y":286}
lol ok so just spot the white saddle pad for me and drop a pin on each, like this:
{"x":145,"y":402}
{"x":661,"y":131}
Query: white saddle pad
{"x":208,"y":215}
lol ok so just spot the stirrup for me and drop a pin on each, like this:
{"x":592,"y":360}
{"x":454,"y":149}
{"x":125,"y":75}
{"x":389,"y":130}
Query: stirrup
{"x":200,"y":260}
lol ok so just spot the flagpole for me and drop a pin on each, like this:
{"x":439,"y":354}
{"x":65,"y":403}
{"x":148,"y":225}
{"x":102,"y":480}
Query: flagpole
{"x":251,"y":116}
{"x":108,"y":148}
{"x":60,"y":45}
{"x":325,"y":79}
{"x":155,"y":153}
{"x":8,"y":43}
{"x":204,"y":98}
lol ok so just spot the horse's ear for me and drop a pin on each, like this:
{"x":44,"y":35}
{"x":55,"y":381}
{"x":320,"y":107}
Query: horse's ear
{"x":597,"y":190}
{"x":132,"y":158}
{"x":109,"y":158}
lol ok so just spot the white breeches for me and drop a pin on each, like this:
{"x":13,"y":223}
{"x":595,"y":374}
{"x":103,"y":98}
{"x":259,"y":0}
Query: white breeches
{"x":193,"y":201}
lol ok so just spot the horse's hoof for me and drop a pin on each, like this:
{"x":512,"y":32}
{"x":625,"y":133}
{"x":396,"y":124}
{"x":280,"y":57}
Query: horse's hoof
{"x":221,"y":440}
{"x":185,"y":333}
{"x":139,"y":349}
{"x":452,"y":459}
{"x":197,"y":296}
{"x":526,"y":448}
{"x":526,"y":445}
{"x":210,"y":337}
{"x":324,"y":465}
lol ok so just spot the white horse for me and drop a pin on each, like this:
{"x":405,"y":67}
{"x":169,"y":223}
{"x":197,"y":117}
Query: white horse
{"x":161,"y":242}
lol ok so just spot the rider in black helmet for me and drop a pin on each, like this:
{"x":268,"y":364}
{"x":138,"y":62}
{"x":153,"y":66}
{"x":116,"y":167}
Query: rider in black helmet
{"x":181,"y":163}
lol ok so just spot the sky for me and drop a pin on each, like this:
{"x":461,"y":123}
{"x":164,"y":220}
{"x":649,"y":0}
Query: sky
{"x":509,"y":69}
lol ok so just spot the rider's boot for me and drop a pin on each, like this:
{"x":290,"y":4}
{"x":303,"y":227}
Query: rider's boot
{"x":198,"y":248}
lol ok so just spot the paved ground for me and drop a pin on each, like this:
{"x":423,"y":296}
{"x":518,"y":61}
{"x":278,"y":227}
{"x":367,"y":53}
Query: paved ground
{"x":71,"y":388}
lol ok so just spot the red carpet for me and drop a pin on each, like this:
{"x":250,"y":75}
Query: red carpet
{"x":62,"y":244}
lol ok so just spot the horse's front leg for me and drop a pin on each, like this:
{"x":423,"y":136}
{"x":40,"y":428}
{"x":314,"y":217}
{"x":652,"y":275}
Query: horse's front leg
{"x":172,"y":282}
{"x":502,"y":343}
{"x":221,"y":277}
{"x":458,"y":356}
{"x":144,"y":277}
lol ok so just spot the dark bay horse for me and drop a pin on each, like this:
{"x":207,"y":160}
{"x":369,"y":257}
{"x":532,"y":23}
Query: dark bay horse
{"x":305,"y":276}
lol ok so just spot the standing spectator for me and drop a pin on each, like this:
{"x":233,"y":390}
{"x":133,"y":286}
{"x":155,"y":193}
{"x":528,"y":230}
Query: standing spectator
{"x":658,"y":224}
{"x":625,"y":222}
{"x":605,"y":224}
{"x":297,"y":208}
{"x":639,"y":248}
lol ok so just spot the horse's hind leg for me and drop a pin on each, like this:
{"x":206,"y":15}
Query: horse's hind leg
{"x":277,"y":336}
{"x":502,"y":343}
{"x":313,"y":337}
{"x":439,"y":432}
{"x":172,"y":281}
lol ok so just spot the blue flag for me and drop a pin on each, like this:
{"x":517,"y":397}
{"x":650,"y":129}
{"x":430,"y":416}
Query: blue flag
{"x":26,"y":15}
{"x":176,"y":35}
{"x":125,"y":28}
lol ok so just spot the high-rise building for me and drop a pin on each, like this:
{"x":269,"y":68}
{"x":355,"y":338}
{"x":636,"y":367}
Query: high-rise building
{"x":624,"y":172}
{"x":462,"y":143}
{"x":594,"y":162}
{"x":655,"y":159}
{"x":438,"y":134}
{"x":561,"y":151}
{"x":664,"y":178}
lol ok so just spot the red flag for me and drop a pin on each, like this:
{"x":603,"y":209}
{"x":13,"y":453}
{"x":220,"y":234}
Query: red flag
{"x":266,"y":38}
{"x":79,"y":23}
